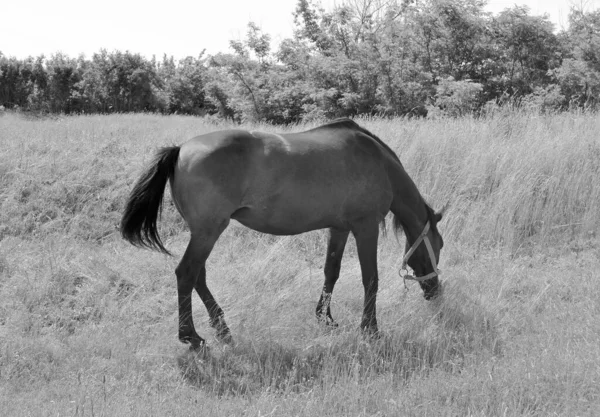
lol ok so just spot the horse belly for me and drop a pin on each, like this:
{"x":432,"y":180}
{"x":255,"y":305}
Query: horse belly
{"x":284,"y":220}
{"x":295,"y":212}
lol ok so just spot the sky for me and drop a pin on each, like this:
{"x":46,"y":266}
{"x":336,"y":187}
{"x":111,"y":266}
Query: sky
{"x":176,"y":27}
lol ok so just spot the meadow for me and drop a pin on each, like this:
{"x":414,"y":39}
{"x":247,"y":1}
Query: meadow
{"x":88,"y":323}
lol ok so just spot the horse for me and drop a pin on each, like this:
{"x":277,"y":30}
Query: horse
{"x":338,"y":176}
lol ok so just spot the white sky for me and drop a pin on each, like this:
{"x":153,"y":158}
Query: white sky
{"x":177,"y":27}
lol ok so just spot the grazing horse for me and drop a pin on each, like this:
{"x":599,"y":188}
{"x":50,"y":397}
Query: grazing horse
{"x":337,"y":176}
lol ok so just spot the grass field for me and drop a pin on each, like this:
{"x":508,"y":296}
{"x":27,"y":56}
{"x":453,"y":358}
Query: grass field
{"x":88,"y":323}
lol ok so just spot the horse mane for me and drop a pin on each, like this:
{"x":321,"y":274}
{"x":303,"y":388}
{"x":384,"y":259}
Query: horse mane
{"x":431,"y":217}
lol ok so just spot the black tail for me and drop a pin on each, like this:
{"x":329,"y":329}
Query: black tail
{"x":138,"y":225}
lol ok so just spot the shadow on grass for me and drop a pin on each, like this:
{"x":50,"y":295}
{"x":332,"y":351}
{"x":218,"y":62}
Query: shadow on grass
{"x":249,"y":367}
{"x":446,"y":335}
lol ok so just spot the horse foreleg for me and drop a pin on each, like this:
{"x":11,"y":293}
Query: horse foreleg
{"x":333,"y":262}
{"x":366,"y":235}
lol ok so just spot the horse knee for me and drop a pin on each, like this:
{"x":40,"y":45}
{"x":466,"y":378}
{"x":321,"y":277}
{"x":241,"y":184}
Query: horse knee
{"x":185,"y":278}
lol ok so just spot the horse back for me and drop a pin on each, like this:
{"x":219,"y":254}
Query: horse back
{"x":319,"y":178}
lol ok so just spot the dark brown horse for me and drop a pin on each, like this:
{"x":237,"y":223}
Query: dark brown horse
{"x":337,"y":176}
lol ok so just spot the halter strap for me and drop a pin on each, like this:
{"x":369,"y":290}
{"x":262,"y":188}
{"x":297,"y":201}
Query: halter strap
{"x":413,"y":248}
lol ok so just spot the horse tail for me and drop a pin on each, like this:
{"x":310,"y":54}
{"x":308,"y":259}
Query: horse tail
{"x":138,"y":225}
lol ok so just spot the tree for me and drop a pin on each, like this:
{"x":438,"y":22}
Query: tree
{"x":131,"y":80}
{"x":579,"y":83}
{"x":584,"y":36}
{"x":186,"y":88}
{"x":526,"y":50}
{"x":15,"y":81}
{"x":579,"y":74}
{"x":63,"y":76}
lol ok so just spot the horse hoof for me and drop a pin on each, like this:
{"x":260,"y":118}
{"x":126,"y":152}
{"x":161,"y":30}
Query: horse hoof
{"x":331,"y":323}
{"x":327,"y":321}
{"x":225,"y":338}
{"x":376,"y":335}
{"x":371,"y":332}
{"x":201,"y":352}
{"x":194,"y":342}
{"x":372,"y":335}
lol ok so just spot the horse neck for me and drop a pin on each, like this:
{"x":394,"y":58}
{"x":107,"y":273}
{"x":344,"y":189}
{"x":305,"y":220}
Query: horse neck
{"x":408,"y":205}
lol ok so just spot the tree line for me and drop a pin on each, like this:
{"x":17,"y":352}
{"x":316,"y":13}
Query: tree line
{"x":374,"y":57}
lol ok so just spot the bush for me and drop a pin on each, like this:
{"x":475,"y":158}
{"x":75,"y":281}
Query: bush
{"x":544,"y":99}
{"x":455,"y":98}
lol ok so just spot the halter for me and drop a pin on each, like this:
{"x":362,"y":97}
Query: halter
{"x":403,"y":272}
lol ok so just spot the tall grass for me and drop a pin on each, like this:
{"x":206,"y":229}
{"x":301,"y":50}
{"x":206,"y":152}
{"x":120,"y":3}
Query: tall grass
{"x":88,"y":323}
{"x":508,"y":179}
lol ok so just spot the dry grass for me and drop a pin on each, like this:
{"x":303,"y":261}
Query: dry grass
{"x":88,"y":323}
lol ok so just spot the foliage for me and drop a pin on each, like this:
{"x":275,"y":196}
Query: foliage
{"x":362,"y":57}
{"x":457,"y":98}
{"x":544,"y":99}
{"x":579,"y":82}
{"x":106,"y":83}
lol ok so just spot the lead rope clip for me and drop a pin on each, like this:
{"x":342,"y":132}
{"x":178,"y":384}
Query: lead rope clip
{"x":403,"y":272}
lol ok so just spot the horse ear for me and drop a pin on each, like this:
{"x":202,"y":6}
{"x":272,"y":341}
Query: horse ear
{"x":440,"y":214}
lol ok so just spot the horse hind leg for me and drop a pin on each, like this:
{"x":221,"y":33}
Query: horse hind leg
{"x":191,"y":273}
{"x":215,"y":312}
{"x":333,"y":262}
